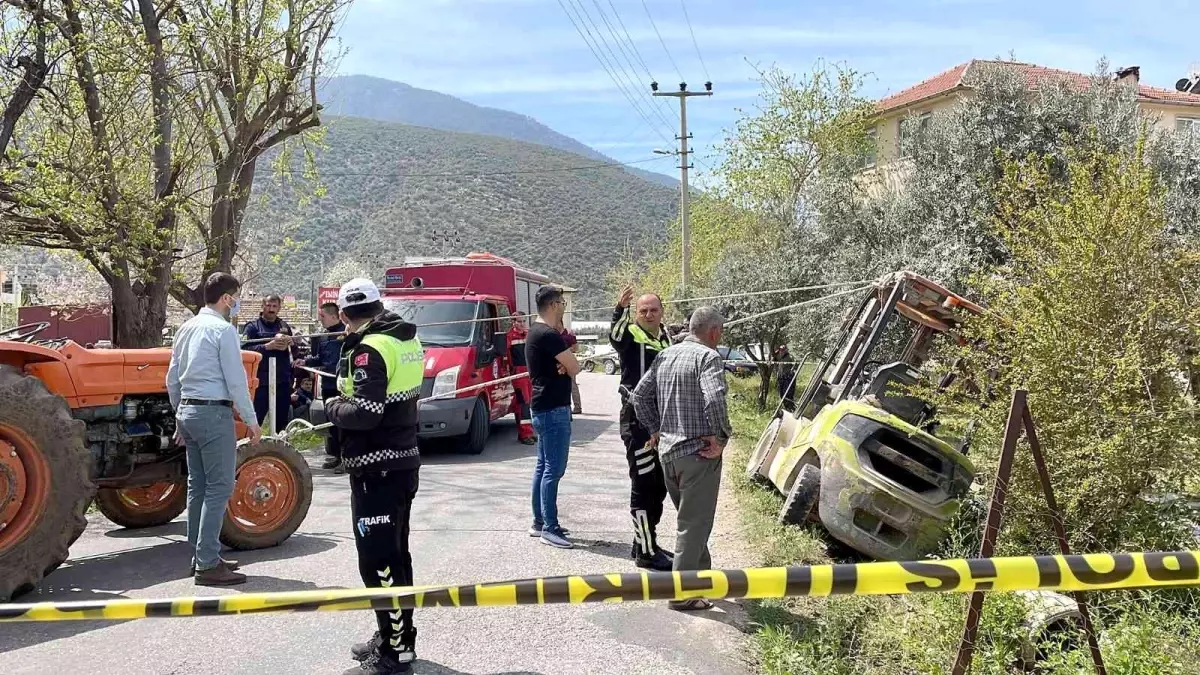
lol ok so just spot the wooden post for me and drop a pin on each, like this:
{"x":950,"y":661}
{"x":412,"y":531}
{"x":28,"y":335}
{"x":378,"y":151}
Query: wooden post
{"x":1019,"y":418}
{"x":1060,"y":533}
{"x":1012,"y":433}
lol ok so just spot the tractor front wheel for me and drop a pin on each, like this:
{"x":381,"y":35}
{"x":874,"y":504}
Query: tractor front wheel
{"x":271,"y":495}
{"x":45,"y":487}
{"x":147,"y":506}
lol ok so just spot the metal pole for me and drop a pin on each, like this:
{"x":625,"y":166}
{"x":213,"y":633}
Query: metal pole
{"x":271,"y":393}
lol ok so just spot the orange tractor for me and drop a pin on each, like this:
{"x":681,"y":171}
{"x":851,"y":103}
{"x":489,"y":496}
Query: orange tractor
{"x":81,"y":426}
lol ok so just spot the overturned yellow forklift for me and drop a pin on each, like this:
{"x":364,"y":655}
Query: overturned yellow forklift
{"x":859,"y":453}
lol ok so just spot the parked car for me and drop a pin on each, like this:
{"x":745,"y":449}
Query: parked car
{"x":737,"y":362}
{"x":605,"y":356}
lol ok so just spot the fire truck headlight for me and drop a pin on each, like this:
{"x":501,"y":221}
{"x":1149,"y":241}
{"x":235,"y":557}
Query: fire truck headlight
{"x":446,"y":381}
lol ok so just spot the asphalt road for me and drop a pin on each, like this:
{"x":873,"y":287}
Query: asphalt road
{"x":469,"y":524}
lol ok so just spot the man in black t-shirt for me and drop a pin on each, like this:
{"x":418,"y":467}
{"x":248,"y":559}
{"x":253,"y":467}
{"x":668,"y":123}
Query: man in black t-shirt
{"x":551,"y":367}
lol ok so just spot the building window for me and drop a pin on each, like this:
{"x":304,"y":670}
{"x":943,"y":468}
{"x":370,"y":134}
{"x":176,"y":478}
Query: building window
{"x":1186,"y":124}
{"x":910,"y":129}
{"x":872,"y":148}
{"x":522,"y":296}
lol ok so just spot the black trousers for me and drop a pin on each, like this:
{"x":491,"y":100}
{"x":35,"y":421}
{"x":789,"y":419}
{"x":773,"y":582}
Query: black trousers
{"x":648,"y":489}
{"x":333,"y":445}
{"x":380,"y":505}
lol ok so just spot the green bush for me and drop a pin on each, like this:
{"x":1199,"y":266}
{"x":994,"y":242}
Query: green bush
{"x":1092,"y":314}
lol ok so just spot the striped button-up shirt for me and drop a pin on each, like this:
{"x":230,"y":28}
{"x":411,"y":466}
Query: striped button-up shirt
{"x":682,"y":398}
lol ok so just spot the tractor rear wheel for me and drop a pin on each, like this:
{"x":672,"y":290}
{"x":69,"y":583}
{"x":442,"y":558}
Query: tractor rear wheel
{"x":45,"y":484}
{"x":271,"y":495}
{"x":147,"y":506}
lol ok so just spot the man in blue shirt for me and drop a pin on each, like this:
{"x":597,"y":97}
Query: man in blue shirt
{"x":206,"y":382}
{"x":325,"y":354}
{"x":282,"y":351}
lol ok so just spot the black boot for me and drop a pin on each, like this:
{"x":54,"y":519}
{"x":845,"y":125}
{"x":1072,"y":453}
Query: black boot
{"x":379,"y":664}
{"x":406,"y":650}
{"x":362,"y":650}
{"x":658,"y":562}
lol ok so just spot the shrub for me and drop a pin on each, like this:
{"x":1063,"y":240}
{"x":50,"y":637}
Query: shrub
{"x":1092,"y":313}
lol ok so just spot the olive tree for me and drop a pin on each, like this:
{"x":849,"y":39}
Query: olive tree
{"x":130,"y":124}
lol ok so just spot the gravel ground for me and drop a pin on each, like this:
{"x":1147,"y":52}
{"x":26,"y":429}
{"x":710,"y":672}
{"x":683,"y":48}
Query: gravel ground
{"x":469,"y":524}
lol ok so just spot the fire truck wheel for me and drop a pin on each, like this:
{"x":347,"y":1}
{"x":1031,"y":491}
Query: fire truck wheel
{"x":476,"y":439}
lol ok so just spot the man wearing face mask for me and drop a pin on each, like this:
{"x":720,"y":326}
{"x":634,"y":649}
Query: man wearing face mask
{"x":206,"y":382}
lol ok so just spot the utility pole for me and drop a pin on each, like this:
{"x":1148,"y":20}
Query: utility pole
{"x":446,"y":237}
{"x":684,"y":164}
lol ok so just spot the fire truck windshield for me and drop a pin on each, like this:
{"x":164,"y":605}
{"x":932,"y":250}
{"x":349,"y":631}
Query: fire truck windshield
{"x":420,"y":311}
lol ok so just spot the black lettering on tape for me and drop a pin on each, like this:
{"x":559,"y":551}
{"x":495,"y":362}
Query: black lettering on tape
{"x":527,"y":593}
{"x":936,"y":577}
{"x":1049,"y":573}
{"x":160,"y":608}
{"x":845,"y":579}
{"x":1122,"y":569}
{"x":982,"y":572}
{"x":1187,"y":569}
{"x":691,"y":580}
{"x":206,"y":607}
{"x":799,"y":581}
{"x":467,"y":596}
{"x":13,"y":611}
{"x":557,"y":589}
{"x":738,"y":583}
{"x":627,"y":588}
{"x":440,"y":597}
{"x":662,"y":585}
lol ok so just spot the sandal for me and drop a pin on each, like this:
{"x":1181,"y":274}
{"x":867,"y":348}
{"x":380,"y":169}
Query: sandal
{"x":693,"y":605}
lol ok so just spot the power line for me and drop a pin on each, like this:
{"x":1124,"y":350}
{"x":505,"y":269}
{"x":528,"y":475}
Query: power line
{"x":662,"y":41}
{"x":611,"y":74}
{"x":694,"y":43}
{"x":638,"y":55}
{"x":486,"y":173}
{"x":631,"y":79}
{"x":628,"y":37}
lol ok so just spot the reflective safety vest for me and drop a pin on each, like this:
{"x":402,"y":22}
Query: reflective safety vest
{"x":646,"y":341}
{"x":404,"y":360}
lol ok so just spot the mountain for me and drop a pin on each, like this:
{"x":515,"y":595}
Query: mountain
{"x":390,"y":187}
{"x":387,"y":101}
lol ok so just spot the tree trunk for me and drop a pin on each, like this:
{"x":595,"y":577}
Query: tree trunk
{"x":139,"y":314}
{"x":764,"y":385}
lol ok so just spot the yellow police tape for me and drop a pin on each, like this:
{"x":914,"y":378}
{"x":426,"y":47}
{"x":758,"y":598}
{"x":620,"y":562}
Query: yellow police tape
{"x":1095,"y":571}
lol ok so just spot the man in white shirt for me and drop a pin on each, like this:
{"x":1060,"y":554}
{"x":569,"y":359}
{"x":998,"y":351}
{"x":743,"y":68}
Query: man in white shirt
{"x":206,"y":382}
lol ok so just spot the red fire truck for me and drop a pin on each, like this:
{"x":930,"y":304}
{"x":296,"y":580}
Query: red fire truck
{"x":466,"y":349}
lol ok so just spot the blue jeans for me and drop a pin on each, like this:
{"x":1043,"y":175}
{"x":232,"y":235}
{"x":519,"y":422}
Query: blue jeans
{"x":553,"y":428}
{"x":211,"y":444}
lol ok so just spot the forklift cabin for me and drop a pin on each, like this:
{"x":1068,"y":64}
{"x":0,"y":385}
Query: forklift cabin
{"x":859,"y":454}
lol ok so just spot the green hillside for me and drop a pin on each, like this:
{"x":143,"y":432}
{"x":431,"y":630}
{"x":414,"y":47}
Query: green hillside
{"x":389,"y":186}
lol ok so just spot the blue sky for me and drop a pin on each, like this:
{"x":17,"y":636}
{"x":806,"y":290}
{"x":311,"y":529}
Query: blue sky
{"x":526,"y":56}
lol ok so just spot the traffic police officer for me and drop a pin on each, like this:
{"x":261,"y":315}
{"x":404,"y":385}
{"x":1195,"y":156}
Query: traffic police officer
{"x":379,"y":380}
{"x":637,"y":343}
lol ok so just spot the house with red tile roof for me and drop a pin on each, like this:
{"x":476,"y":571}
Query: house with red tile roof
{"x":903,"y":112}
